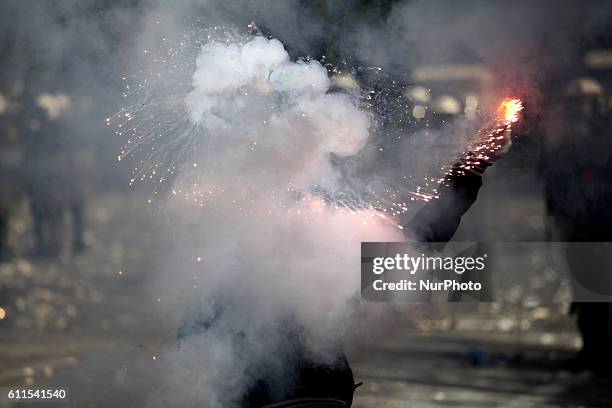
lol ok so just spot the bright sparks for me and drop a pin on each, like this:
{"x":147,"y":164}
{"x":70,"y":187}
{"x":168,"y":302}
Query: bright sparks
{"x":509,"y":110}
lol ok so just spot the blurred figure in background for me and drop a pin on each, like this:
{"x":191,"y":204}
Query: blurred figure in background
{"x":40,"y":161}
{"x":53,"y":179}
{"x":578,"y":195}
{"x":9,"y":194}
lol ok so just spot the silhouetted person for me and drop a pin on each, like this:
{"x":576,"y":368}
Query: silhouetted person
{"x":52,"y":181}
{"x":297,"y":379}
{"x":579,"y":196}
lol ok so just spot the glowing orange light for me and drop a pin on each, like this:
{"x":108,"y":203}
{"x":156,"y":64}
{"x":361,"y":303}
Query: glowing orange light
{"x":509,"y":110}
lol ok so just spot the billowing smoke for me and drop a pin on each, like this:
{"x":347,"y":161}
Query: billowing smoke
{"x":269,"y":119}
{"x":261,"y":262}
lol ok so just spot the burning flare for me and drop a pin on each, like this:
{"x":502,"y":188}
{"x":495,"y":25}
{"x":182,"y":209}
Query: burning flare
{"x":493,"y":140}
{"x":509,"y":109}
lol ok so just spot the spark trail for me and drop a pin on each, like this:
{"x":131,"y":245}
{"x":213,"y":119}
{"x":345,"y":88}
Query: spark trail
{"x":248,"y":97}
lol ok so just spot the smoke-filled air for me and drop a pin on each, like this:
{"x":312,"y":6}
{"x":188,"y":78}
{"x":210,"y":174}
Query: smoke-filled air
{"x":252,"y":196}
{"x":189,"y":190}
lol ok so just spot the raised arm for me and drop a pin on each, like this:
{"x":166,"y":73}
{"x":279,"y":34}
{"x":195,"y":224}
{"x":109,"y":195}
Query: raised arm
{"x":438,"y":220}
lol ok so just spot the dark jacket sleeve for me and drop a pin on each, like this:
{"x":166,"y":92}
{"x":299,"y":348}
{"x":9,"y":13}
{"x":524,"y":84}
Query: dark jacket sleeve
{"x":439,"y":219}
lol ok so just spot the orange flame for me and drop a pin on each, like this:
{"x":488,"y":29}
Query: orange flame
{"x":509,"y":110}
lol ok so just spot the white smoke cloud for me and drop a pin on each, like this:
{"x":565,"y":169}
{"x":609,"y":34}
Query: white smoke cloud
{"x":276,"y":258}
{"x":271,"y":118}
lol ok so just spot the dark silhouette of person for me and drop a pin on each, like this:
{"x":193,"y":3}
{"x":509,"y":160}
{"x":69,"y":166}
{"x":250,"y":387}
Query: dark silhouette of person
{"x":52,"y":188}
{"x":306,"y":383}
{"x":578,"y":190}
